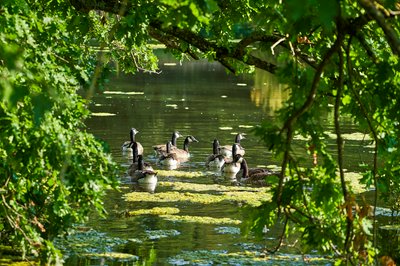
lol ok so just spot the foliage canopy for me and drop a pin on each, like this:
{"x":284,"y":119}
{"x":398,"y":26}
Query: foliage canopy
{"x":341,"y":56}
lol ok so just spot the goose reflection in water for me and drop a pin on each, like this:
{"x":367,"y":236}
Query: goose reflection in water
{"x":144,"y":187}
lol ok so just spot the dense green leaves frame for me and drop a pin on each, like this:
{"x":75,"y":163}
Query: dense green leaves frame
{"x":332,"y":53}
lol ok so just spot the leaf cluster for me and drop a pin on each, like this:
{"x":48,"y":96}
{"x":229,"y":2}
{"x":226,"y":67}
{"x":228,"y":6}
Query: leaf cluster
{"x":53,"y":173}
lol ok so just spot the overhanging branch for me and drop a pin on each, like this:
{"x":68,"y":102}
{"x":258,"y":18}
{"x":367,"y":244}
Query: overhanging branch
{"x":221,"y":53}
{"x":379,"y":15}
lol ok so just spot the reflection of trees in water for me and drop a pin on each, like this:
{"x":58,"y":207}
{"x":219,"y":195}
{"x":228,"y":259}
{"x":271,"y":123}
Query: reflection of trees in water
{"x":268,"y":93}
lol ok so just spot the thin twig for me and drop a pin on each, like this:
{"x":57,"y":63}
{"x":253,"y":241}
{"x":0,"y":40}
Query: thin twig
{"x":282,"y":236}
{"x":374,"y":134}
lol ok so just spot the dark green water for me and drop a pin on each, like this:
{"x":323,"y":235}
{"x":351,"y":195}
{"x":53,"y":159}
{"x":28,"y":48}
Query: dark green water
{"x":199,"y":99}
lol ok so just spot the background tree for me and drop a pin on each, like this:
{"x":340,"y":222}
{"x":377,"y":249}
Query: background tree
{"x":334,"y":56}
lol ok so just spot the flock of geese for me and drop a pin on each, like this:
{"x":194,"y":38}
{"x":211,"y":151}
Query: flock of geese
{"x":228,"y":159}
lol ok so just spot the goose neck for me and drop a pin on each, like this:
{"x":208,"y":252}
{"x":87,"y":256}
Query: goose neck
{"x":215,"y":147}
{"x":140,"y":163}
{"x":174,"y":138}
{"x":135,"y":152}
{"x":186,"y":145}
{"x":245,"y":168}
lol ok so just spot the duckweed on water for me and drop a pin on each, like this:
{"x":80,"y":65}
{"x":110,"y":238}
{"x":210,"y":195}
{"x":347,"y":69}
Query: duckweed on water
{"x":157,"y":234}
{"x":92,"y":244}
{"x":200,"y":219}
{"x":155,"y":211}
{"x":168,"y":214}
{"x":179,"y":174}
{"x":207,"y":187}
{"x":227,"y":230}
{"x":217,"y":193}
{"x":115,"y":256}
{"x":222,"y":257}
{"x":174,"y":196}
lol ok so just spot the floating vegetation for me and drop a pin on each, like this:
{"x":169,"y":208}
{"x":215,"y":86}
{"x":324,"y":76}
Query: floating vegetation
{"x":175,"y":106}
{"x":103,"y":114}
{"x":380,"y":211}
{"x":228,"y":230}
{"x":158,"y":234}
{"x":395,"y":227}
{"x":200,"y":219}
{"x":217,"y":188}
{"x":245,"y":126}
{"x":155,"y":211}
{"x":222,"y":257}
{"x":115,"y":256}
{"x":189,"y":192}
{"x":357,"y":136}
{"x":92,"y":244}
{"x":179,"y":174}
{"x":124,"y":92}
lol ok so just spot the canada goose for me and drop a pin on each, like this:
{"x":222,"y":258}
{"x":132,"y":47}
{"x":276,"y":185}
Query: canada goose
{"x":137,"y":161}
{"x":255,"y":176}
{"x":127,"y":145}
{"x":230,"y":169}
{"x":226,"y":150}
{"x":161,"y":148}
{"x":183,"y":154}
{"x":168,"y":159}
{"x":215,"y":160}
{"x":143,"y":176}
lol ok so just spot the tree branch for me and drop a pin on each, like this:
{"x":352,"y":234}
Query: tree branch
{"x":171,"y":42}
{"x":221,"y":53}
{"x":371,"y":127}
{"x":378,"y":13}
{"x":288,"y":126}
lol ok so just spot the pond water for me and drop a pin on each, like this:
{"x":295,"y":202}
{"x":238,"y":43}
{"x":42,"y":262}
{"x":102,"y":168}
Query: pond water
{"x":196,"y":213}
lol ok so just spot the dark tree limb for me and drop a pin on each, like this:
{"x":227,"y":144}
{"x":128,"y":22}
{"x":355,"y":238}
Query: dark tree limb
{"x":379,"y":14}
{"x":221,"y":53}
{"x":172,"y":43}
{"x":339,"y":145}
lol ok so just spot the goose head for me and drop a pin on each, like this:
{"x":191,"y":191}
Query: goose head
{"x":175,"y":136}
{"x":239,"y":137}
{"x":189,"y":139}
{"x":132,"y":133}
